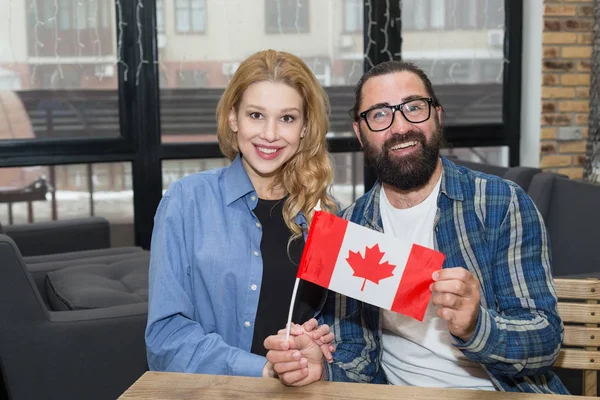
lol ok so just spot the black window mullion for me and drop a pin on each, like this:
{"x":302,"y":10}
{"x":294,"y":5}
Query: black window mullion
{"x":511,"y":88}
{"x":139,"y":110}
{"x":376,"y":17}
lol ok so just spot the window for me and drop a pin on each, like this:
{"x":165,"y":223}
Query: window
{"x":286,"y":16}
{"x":452,"y":14}
{"x":190,"y":16}
{"x":353,"y":16}
{"x":160,"y":16}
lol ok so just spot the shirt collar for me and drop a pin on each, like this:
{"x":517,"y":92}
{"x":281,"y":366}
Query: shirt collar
{"x":452,"y":180}
{"x":236,"y":182}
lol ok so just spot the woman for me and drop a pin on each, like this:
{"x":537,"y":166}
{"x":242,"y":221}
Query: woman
{"x":227,"y":242}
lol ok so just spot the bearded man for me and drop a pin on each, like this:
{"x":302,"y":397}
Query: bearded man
{"x":492,"y":322}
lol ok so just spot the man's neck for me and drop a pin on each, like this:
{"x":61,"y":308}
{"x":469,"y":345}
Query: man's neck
{"x":409,"y":198}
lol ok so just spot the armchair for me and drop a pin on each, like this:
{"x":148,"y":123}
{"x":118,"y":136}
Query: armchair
{"x":91,"y":353}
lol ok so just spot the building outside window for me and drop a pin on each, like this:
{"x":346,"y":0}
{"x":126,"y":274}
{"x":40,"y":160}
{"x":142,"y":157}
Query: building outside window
{"x":353,"y":16}
{"x":190,"y":16}
{"x":286,"y":16}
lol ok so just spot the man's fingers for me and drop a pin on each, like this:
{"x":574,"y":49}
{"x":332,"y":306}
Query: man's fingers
{"x":293,"y":377}
{"x":448,"y":300}
{"x":458,"y":273}
{"x":446,"y":314}
{"x":325,"y":339}
{"x":326,"y":350}
{"x":284,"y":367}
{"x":321,"y":332}
{"x":310,"y":325}
{"x":454,"y":286}
{"x":283,"y":356}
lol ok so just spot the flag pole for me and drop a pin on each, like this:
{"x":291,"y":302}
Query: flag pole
{"x":288,"y":326}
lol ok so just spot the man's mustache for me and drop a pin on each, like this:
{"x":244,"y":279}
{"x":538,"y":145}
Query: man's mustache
{"x":406,"y":137}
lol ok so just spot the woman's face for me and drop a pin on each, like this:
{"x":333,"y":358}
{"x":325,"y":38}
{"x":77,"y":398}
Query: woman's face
{"x":269,"y":124}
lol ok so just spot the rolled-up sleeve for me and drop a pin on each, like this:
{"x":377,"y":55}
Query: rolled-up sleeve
{"x":522,"y":336}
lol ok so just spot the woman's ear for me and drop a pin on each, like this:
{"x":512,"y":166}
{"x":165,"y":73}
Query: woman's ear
{"x":233,"y":121}
{"x":303,"y":133}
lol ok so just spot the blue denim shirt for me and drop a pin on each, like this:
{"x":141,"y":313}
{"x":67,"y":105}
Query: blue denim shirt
{"x":205,"y":275}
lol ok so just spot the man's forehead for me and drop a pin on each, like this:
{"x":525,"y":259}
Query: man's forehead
{"x":403,"y":83}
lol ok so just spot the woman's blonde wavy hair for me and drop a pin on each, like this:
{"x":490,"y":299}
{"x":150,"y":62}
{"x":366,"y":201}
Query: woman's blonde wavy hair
{"x":308,"y":175}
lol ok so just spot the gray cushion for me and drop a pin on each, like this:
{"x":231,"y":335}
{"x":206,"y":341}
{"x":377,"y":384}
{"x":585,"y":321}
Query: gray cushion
{"x":1,"y":229}
{"x":99,"y":285}
{"x":78,"y":255}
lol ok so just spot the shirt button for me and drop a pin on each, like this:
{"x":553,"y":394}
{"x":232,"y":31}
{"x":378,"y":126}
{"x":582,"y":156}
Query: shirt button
{"x":252,"y":198}
{"x":247,"y":324}
{"x":256,"y":253}
{"x":258,"y":225}
{"x":253,"y":287}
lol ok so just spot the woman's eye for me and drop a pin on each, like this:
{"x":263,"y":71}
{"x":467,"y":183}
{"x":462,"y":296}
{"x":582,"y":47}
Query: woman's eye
{"x":255,"y":115}
{"x":288,"y":119}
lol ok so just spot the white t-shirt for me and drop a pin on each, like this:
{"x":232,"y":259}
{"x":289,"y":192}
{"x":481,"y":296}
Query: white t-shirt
{"x":421,"y":353}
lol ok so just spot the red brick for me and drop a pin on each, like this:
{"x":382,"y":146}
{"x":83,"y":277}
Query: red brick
{"x":560,"y":10}
{"x":574,"y":106}
{"x":555,"y":160}
{"x":550,"y":79}
{"x":556,"y":119}
{"x":586,"y":11}
{"x":551,"y":52}
{"x":549,"y":107}
{"x":558,"y":65}
{"x":579,"y":25}
{"x":547,"y":148}
{"x":552,"y":25}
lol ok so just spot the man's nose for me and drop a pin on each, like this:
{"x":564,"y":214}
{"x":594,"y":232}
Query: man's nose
{"x":400,"y":124}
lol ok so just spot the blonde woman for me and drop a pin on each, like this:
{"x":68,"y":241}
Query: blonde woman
{"x":227,"y":242}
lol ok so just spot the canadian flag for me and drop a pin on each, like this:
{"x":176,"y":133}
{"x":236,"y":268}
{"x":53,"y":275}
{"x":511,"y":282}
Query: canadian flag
{"x":369,"y":266}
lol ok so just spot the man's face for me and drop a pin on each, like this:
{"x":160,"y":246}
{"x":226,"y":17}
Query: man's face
{"x":406,"y":154}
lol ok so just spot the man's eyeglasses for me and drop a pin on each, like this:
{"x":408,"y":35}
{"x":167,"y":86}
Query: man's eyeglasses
{"x":380,"y":118}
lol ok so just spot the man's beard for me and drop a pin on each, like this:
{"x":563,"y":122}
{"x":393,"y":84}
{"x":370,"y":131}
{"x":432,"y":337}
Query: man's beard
{"x":407,"y":172}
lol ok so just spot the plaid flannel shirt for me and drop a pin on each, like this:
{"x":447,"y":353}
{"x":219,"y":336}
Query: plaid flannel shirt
{"x":491,"y":227}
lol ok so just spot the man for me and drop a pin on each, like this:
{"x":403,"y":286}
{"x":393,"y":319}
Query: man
{"x":492,"y":322}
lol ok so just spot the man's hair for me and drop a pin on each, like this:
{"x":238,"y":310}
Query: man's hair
{"x":390,"y":67}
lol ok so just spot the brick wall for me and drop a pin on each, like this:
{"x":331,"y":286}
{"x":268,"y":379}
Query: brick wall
{"x":566,"y":64}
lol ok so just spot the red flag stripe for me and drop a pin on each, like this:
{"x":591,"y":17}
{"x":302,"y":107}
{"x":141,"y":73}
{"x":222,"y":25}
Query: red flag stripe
{"x":323,"y":244}
{"x":413,"y":292}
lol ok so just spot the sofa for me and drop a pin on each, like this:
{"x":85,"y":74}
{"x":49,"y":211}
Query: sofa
{"x":72,"y":321}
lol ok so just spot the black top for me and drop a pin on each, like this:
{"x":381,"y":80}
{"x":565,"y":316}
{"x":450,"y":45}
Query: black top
{"x":279,"y":276}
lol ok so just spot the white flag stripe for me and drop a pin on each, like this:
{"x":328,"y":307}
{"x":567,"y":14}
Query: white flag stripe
{"x":358,"y":239}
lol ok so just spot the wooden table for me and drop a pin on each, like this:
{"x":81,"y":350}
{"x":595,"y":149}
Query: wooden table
{"x":171,"y":386}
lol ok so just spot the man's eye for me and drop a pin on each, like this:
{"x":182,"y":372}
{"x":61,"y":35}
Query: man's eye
{"x":378,"y":114}
{"x":288,"y":119}
{"x":255,"y":115}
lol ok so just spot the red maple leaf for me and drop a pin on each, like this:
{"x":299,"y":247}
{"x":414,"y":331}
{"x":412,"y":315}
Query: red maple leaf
{"x":369,"y":267}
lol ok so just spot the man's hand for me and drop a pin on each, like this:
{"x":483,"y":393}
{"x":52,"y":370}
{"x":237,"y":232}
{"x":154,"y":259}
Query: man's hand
{"x":456,"y":292}
{"x":297,"y":361}
{"x":322,"y":335}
